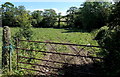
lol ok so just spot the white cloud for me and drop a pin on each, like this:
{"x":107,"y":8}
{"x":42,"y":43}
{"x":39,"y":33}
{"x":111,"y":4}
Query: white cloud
{"x":63,"y":13}
{"x":39,"y":9}
{"x":35,"y":9}
{"x":57,"y":11}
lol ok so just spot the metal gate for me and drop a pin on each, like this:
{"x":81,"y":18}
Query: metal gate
{"x":57,"y":59}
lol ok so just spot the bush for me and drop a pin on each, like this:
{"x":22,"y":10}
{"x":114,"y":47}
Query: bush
{"x":109,"y":40}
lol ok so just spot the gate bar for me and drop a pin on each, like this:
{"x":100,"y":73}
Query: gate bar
{"x":59,"y":53}
{"x":39,"y":65}
{"x":39,"y":71}
{"x":44,"y":60}
{"x":60,"y":43}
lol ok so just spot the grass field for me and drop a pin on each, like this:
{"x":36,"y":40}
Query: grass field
{"x":60,"y":35}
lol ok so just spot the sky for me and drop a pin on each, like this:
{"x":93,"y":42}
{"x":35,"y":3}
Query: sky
{"x":54,"y":0}
{"x":43,"y":0}
{"x":58,"y":5}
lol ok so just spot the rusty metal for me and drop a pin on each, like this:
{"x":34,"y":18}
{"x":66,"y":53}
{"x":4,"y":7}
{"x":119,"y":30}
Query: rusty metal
{"x":60,"y":43}
{"x":41,"y":71}
{"x":17,"y":44}
{"x":48,"y":52}
{"x":59,"y":53}
{"x":39,"y":65}
{"x":45,"y":60}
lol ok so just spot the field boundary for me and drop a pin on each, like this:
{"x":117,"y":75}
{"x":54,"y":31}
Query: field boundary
{"x":53,"y":53}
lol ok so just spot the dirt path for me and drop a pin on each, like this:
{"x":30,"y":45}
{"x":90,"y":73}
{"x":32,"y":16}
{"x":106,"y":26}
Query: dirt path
{"x":83,"y":64}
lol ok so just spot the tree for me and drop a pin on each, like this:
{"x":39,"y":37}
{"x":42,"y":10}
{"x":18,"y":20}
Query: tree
{"x":49,"y":18}
{"x":59,"y":17}
{"x":0,"y":17}
{"x":24,"y":20}
{"x":8,"y":14}
{"x":78,"y":19}
{"x":71,"y":16}
{"x":37,"y":18}
{"x":94,"y":14}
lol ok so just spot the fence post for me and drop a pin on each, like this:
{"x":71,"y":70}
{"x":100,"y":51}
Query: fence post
{"x":17,"y":44}
{"x":59,"y":14}
{"x":6,"y":51}
{"x":59,"y":23}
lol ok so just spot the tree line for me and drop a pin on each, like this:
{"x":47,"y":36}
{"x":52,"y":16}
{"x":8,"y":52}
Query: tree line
{"x":89,"y":16}
{"x":13,"y":16}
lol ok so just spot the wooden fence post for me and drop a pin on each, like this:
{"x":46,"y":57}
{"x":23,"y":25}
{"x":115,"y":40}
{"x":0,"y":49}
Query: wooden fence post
{"x":59,"y":14}
{"x":6,"y":51}
{"x":59,"y":23}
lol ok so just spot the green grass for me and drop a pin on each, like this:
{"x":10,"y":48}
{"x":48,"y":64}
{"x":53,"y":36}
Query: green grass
{"x":60,"y":35}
